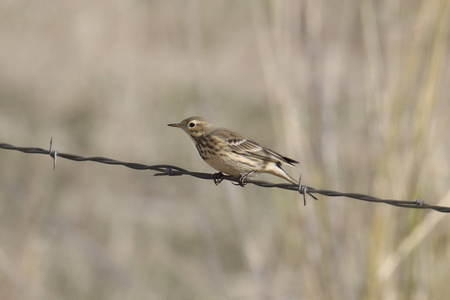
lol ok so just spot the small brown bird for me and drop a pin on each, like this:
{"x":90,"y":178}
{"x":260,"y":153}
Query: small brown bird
{"x":233,"y":153}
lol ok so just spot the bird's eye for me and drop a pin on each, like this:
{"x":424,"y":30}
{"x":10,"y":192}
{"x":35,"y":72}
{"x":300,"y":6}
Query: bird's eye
{"x":191,"y":125}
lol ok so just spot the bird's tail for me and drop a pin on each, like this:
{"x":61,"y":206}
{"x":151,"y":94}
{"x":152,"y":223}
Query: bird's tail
{"x":278,"y":171}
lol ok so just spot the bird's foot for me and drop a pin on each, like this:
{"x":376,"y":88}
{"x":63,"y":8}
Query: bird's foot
{"x":218,"y":177}
{"x":242,"y":179}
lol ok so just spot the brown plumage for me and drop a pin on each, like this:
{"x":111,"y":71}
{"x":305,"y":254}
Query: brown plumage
{"x":233,"y":153}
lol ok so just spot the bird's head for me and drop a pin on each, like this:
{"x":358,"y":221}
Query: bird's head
{"x":194,"y":126}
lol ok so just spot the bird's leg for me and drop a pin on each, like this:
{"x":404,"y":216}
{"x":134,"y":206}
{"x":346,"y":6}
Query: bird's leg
{"x":218,"y":177}
{"x":244,"y":177}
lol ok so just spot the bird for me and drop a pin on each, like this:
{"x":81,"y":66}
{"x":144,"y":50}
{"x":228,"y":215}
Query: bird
{"x":233,"y":153}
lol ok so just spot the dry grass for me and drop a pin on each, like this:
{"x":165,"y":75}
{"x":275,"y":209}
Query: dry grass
{"x":355,"y":90}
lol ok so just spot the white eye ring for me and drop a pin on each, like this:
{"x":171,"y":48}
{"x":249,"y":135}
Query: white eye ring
{"x":191,"y":125}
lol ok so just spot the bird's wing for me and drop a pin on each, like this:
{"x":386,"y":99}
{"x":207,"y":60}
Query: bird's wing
{"x":246,"y":146}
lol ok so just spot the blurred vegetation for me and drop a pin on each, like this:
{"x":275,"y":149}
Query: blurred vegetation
{"x":357,"y":91}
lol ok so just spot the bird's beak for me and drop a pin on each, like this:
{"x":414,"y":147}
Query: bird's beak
{"x":175,"y":125}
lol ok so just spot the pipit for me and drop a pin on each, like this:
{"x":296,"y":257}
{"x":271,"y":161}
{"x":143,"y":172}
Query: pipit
{"x":232,"y":153}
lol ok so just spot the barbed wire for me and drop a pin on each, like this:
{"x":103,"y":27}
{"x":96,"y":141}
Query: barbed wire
{"x":169,"y":170}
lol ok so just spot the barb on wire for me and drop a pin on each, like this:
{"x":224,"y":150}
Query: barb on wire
{"x":169,"y":170}
{"x":53,"y":153}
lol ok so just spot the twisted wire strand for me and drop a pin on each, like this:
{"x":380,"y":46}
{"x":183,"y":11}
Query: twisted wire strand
{"x":169,"y":170}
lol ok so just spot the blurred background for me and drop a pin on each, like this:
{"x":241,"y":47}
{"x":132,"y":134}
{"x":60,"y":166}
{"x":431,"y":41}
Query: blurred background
{"x":357,"y":91}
